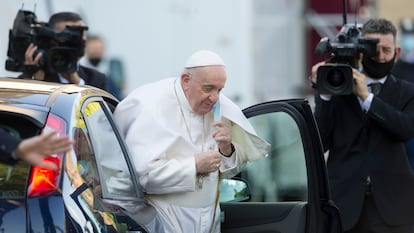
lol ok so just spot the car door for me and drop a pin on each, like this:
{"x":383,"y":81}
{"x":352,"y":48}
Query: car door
{"x":288,"y":190}
{"x":106,"y":173}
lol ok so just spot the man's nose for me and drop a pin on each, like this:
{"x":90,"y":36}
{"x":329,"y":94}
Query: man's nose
{"x":214,"y":96}
{"x":381,"y":56}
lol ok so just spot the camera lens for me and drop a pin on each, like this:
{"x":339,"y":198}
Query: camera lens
{"x":336,"y":77}
{"x":62,"y":59}
{"x":59,"y":61}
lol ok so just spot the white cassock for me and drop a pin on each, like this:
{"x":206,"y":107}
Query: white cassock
{"x":163,"y":136}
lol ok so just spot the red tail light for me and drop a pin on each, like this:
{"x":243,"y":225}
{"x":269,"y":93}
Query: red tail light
{"x":43,"y":181}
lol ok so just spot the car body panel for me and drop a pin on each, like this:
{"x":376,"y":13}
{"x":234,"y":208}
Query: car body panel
{"x":11,"y":210}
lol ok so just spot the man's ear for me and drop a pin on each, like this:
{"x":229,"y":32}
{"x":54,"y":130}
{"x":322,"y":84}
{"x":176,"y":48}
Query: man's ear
{"x":397,"y":53}
{"x":185,"y":78}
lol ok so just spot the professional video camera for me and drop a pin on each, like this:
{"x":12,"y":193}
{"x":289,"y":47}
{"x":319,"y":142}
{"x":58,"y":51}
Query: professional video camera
{"x":60,"y":50}
{"x":337,"y":78}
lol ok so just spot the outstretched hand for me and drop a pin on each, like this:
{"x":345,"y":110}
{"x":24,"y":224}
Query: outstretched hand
{"x":33,"y":150}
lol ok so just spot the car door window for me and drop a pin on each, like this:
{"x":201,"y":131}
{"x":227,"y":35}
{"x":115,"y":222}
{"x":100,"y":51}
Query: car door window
{"x":115,"y":179}
{"x":281,"y":176}
{"x":86,"y":164}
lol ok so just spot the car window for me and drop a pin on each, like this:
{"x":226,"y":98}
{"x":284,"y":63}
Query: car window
{"x":281,"y":176}
{"x":115,"y":179}
{"x":86,"y":164}
{"x":13,"y":179}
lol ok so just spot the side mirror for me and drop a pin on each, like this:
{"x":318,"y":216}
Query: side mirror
{"x":234,"y":190}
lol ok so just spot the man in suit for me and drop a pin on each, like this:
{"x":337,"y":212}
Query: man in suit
{"x":82,"y":75}
{"x":365,"y":133}
{"x":34,"y":149}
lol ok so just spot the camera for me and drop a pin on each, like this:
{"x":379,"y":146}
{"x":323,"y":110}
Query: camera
{"x":337,"y":78}
{"x":61,"y":50}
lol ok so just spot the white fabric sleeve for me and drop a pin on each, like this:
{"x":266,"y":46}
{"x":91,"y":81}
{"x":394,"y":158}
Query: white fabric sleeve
{"x":366,"y":104}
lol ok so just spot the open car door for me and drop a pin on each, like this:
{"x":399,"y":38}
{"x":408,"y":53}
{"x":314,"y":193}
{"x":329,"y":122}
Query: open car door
{"x":288,"y":191}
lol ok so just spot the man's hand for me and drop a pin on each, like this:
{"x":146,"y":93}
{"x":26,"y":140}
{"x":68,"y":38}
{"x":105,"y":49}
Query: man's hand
{"x":223,"y":137}
{"x":314,"y":77}
{"x":33,"y":150}
{"x":207,"y":162}
{"x":314,"y":71}
{"x":360,"y":84}
{"x":30,"y":59}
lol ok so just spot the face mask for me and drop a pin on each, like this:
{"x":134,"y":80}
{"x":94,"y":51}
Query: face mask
{"x":407,"y":42}
{"x":377,"y":70}
{"x":94,"y":61}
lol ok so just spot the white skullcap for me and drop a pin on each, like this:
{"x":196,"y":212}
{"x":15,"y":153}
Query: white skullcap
{"x":204,"y":58}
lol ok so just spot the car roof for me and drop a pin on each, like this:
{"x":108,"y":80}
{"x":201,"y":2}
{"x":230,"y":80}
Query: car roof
{"x":34,"y":86}
{"x":33,"y":98}
{"x":14,"y":90}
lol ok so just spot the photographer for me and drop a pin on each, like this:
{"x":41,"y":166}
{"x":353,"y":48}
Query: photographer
{"x":82,"y":75}
{"x":365,"y":134}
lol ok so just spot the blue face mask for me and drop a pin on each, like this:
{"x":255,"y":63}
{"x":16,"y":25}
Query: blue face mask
{"x":407,"y":42}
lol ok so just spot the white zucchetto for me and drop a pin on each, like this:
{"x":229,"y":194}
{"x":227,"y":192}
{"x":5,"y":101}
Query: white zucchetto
{"x":204,"y":58}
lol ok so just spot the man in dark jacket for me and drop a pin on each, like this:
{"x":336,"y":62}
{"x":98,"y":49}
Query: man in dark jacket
{"x":365,"y":134}
{"x":82,"y":75}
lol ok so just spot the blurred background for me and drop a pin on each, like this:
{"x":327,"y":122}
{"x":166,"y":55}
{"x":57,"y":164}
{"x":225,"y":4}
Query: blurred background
{"x":267,"y":45}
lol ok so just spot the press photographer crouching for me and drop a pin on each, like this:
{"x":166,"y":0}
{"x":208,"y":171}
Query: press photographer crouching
{"x":51,"y":51}
{"x":364,"y":132}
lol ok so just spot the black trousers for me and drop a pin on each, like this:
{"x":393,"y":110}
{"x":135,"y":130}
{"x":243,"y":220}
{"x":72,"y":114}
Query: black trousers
{"x":371,"y":222}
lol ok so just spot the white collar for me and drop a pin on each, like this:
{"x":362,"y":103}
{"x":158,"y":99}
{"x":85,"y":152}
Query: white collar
{"x":371,"y":80}
{"x":181,"y":96}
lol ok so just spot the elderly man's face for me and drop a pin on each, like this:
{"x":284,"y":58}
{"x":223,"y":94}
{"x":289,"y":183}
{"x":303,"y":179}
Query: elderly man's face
{"x":202,"y":87}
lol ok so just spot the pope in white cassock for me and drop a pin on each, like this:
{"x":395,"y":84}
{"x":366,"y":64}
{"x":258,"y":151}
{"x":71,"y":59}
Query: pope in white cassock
{"x":183,"y":134}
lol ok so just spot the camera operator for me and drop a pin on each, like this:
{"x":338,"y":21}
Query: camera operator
{"x":82,"y":75}
{"x":365,"y":134}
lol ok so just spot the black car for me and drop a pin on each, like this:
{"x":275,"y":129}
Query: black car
{"x":287,"y":191}
{"x":34,"y":199}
